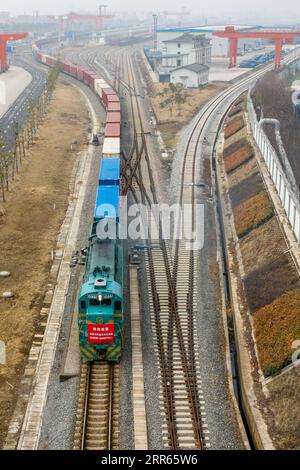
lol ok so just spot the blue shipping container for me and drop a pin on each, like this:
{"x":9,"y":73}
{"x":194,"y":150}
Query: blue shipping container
{"x":107,"y":202}
{"x":110,"y":171}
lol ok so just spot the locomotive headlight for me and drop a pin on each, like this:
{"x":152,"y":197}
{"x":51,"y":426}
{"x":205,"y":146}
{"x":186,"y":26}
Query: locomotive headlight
{"x":100,"y":297}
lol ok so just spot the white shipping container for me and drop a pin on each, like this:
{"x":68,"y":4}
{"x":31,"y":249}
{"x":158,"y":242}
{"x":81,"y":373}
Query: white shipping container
{"x":44,"y":58}
{"x":97,"y":82}
{"x":111,"y":146}
{"x":100,"y":87}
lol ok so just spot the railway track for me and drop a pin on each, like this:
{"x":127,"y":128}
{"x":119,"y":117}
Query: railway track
{"x":180,"y":390}
{"x":97,"y":417}
{"x":172,"y":270}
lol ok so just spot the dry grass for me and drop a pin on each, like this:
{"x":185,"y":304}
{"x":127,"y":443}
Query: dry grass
{"x":235,"y":110}
{"x":270,"y":281}
{"x":252,"y":213}
{"x":34,"y":212}
{"x":238,"y":157}
{"x":246,"y":189}
{"x":234,"y":146}
{"x":261,"y":245}
{"x":240,"y":135}
{"x":233,"y":126}
{"x":170,"y":124}
{"x":276,"y":326}
{"x":284,"y":401}
{"x":243,"y":172}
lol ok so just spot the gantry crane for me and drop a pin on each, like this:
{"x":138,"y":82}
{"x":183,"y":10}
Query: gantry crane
{"x":4,"y":38}
{"x":278,"y":36}
{"x":99,"y":19}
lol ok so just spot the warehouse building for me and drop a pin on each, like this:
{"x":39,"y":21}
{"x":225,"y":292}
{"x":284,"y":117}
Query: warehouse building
{"x":190,"y":76}
{"x":183,"y":50}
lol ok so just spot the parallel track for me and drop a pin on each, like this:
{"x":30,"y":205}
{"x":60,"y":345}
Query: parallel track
{"x":172,"y":297}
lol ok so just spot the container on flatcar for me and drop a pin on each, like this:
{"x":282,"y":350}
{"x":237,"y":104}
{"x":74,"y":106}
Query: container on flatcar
{"x":101,"y":86}
{"x":94,"y":77}
{"x":66,"y":67}
{"x":112,"y":129}
{"x":113,"y":98}
{"x":73,"y":71}
{"x":111,"y":146}
{"x":113,"y":116}
{"x":86,"y":76}
{"x":113,"y":106}
{"x":79,"y":73}
{"x":107,"y":196}
{"x":50,"y":61}
{"x":110,"y":172}
{"x":106,"y":92}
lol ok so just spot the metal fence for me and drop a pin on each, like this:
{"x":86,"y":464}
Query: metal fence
{"x":280,"y":172}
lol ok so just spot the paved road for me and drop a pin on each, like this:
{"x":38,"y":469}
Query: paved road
{"x":19,"y":110}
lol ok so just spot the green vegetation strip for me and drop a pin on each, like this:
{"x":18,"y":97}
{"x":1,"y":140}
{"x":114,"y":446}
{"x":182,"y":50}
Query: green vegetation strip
{"x":276,"y":326}
{"x":252,"y":213}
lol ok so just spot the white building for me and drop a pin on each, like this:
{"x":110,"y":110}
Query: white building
{"x":190,"y":76}
{"x":186,"y":49}
{"x":183,"y":50}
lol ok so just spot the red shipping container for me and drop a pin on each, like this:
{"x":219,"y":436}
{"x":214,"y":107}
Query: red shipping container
{"x":115,"y":106}
{"x":112,"y":98}
{"x":73,"y":70}
{"x":101,"y":333}
{"x":112,"y":130}
{"x":86,"y":77}
{"x":66,"y":67}
{"x":79,"y":73}
{"x":114,"y":116}
{"x":50,"y":61}
{"x":106,"y":92}
{"x":109,"y":91}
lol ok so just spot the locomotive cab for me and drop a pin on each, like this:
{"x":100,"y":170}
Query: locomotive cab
{"x":100,"y":303}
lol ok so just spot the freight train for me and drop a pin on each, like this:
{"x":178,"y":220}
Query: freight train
{"x":107,"y":96}
{"x":100,"y":299}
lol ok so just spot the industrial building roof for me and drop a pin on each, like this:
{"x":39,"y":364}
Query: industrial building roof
{"x":187,"y":38}
{"x":204,"y":28}
{"x":197,"y":68}
{"x":172,"y":56}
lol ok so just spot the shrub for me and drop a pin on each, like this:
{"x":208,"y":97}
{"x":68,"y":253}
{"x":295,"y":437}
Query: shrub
{"x":276,"y":326}
{"x":235,"y":110}
{"x":270,"y":281}
{"x":252,"y":213}
{"x":237,"y":158}
{"x":233,"y":126}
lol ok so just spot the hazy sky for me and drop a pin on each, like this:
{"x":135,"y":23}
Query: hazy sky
{"x":274,"y":10}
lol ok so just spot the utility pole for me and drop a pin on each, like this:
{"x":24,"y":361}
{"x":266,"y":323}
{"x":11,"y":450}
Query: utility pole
{"x":155,"y":18}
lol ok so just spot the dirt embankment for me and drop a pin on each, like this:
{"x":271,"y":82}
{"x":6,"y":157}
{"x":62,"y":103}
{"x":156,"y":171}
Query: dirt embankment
{"x":34,"y":211}
{"x":170,"y":123}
